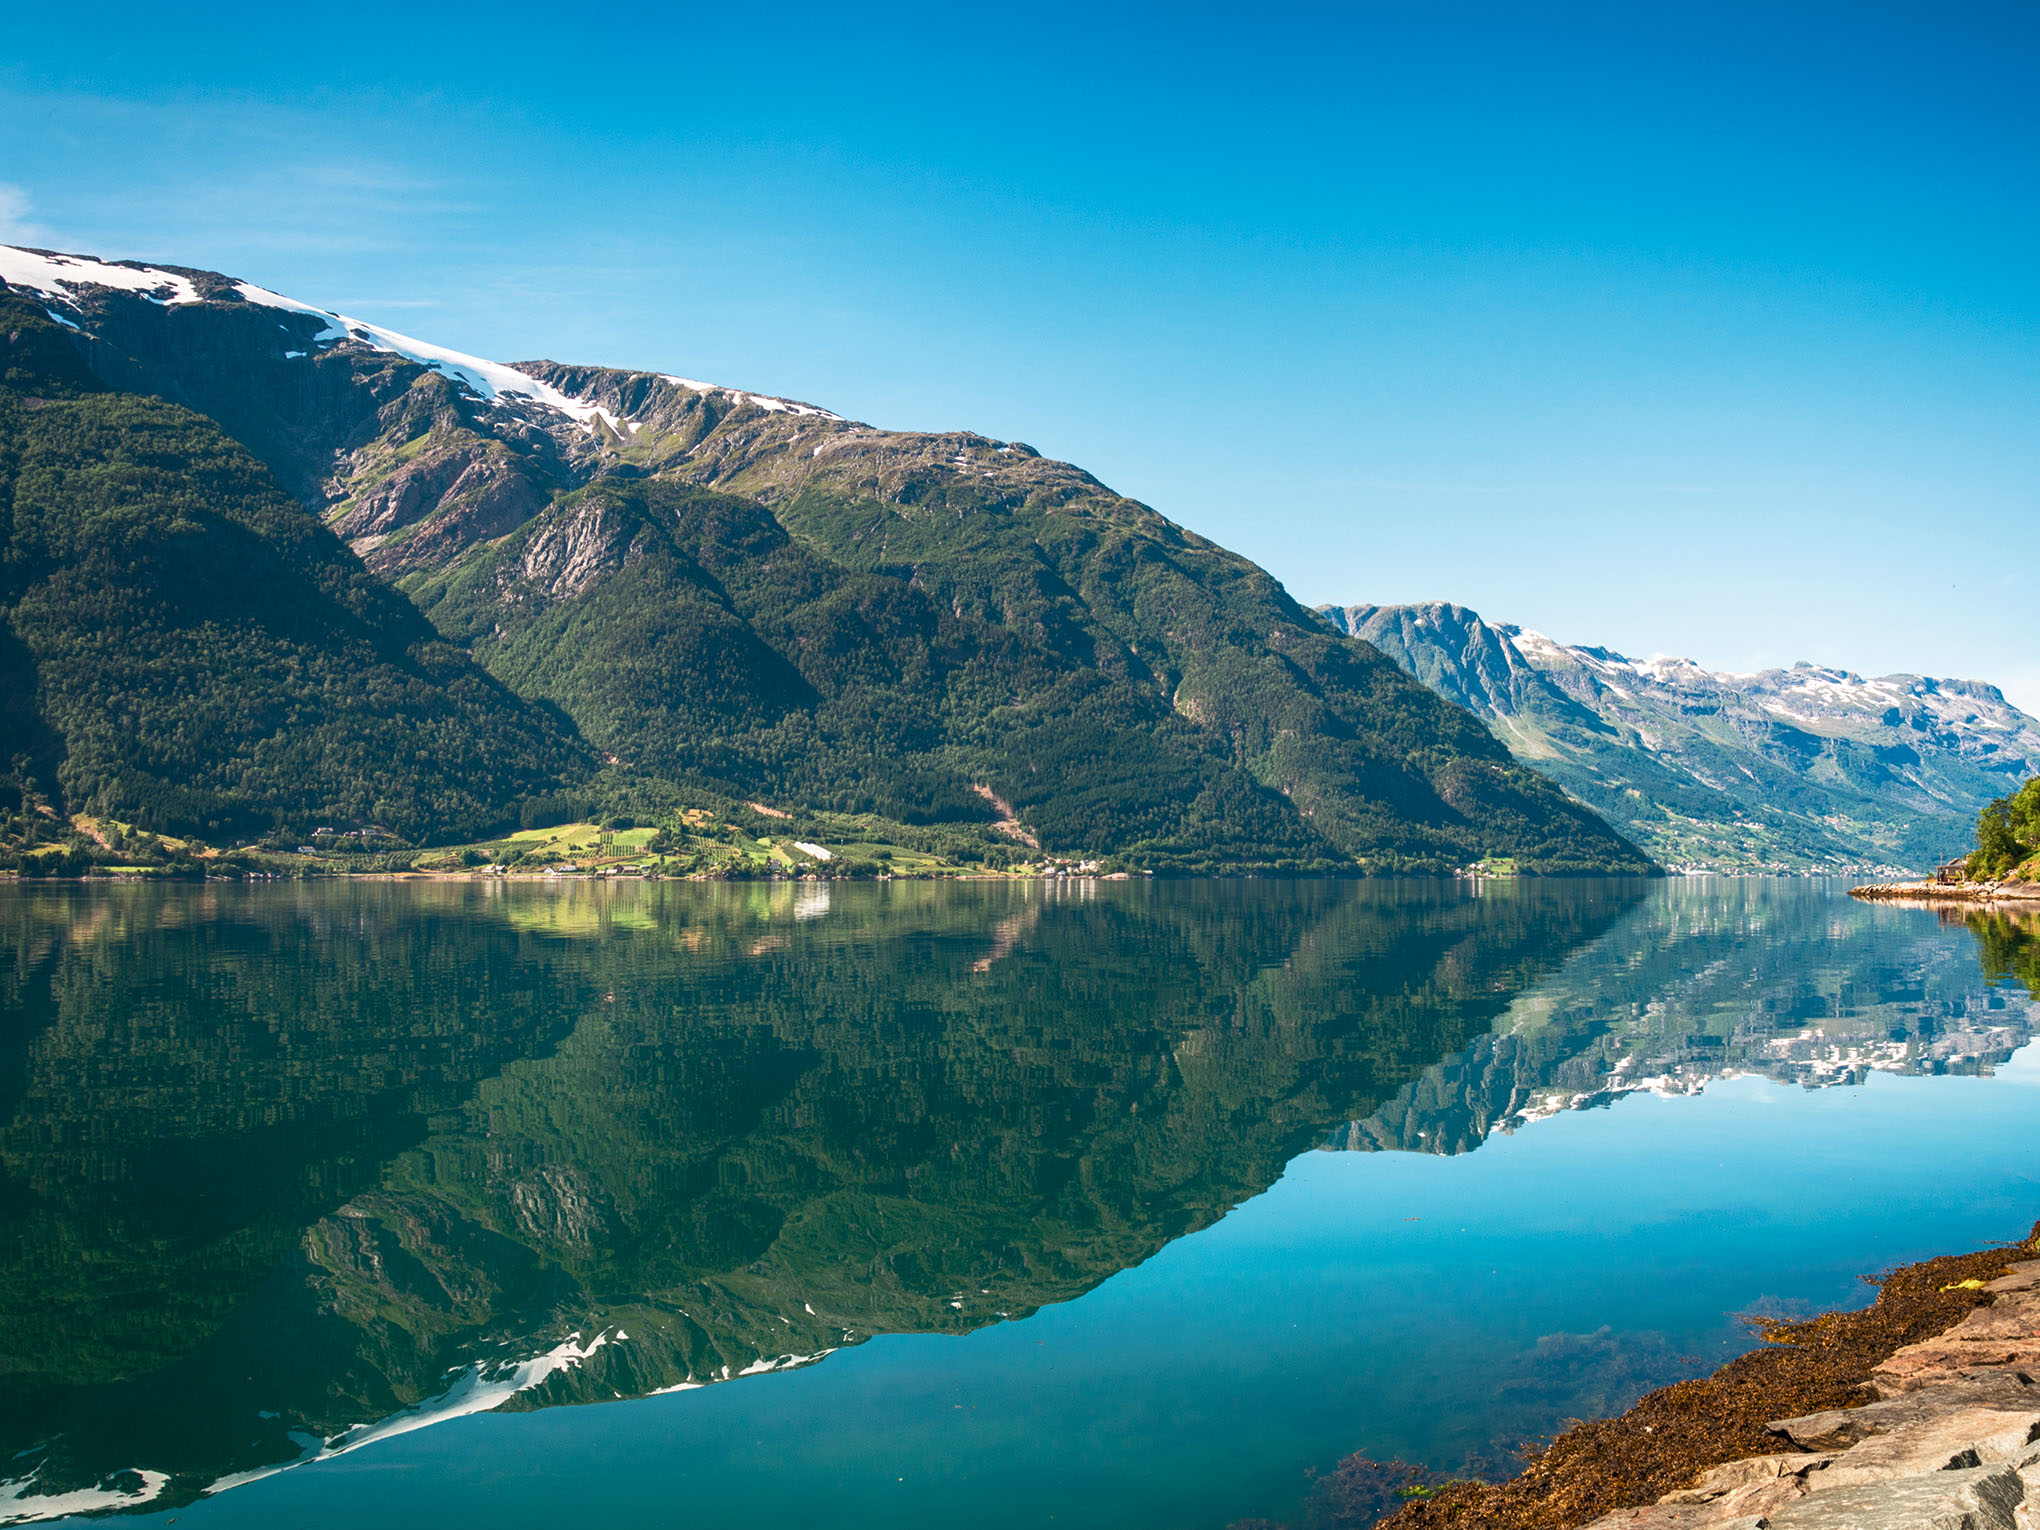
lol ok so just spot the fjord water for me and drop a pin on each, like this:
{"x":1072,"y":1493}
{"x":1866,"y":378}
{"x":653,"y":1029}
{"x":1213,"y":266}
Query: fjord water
{"x":1100,"y":1204}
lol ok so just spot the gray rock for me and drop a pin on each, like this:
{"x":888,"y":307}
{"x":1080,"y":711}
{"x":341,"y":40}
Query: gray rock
{"x":2020,"y":1277}
{"x":1680,"y":1516}
{"x":1839,"y":1428}
{"x":1983,"y":1498}
{"x":1720,"y":1481}
{"x":1949,"y":1441}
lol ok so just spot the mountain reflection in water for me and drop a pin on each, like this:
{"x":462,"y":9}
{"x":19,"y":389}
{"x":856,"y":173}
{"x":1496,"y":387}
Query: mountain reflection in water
{"x":1717,"y":978}
{"x":288,"y":1170}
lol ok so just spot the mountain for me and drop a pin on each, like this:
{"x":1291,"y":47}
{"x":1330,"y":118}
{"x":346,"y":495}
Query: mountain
{"x":1800,"y":769}
{"x":733,"y":593}
{"x":181,"y":645}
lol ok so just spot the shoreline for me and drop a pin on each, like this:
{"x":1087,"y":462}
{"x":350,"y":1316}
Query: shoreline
{"x":1948,"y":892}
{"x":1922,"y":1409}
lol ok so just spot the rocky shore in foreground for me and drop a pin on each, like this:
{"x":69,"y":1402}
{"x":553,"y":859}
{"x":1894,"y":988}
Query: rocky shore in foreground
{"x":2027,"y":893}
{"x":1920,"y":1412}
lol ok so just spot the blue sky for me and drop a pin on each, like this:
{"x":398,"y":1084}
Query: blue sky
{"x":1706,"y":330}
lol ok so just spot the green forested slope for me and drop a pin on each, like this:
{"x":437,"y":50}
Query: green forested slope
{"x":1119,"y":685}
{"x":184,"y":647}
{"x":2008,"y":835}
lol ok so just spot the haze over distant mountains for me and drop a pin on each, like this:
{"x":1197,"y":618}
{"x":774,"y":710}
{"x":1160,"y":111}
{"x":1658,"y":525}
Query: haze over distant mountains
{"x":1800,"y":769}
{"x":641,"y":587}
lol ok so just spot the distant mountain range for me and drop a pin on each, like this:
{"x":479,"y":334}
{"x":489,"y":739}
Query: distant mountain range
{"x":647,"y":588}
{"x":1800,"y":769}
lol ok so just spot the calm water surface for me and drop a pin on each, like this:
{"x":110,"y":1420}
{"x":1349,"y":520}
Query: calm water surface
{"x":1102,"y":1205}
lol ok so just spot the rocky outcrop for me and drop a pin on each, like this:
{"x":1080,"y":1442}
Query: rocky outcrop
{"x":1951,"y":1441}
{"x":428,"y":511}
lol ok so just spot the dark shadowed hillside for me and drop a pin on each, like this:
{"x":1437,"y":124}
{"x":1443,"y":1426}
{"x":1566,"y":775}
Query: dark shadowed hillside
{"x":181,"y":645}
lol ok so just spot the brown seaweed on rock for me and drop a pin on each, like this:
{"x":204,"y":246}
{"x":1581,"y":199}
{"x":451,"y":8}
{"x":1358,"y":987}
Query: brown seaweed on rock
{"x":1660,"y":1444}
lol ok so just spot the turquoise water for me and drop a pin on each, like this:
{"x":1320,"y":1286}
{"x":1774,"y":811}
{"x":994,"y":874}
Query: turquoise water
{"x":1259,"y":1175}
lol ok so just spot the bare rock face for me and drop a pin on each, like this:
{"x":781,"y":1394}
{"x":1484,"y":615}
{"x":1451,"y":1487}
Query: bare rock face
{"x":564,"y":559}
{"x":1951,"y":1443}
{"x":428,"y":510}
{"x":2003,"y":1336}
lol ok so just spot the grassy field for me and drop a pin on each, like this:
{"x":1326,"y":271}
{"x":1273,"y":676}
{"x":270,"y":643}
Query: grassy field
{"x":700,"y":843}
{"x":692,"y":842}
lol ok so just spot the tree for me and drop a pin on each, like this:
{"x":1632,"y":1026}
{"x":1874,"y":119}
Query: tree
{"x":2007,"y":832}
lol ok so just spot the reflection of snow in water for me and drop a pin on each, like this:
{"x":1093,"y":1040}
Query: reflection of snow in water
{"x":479,"y":1388}
{"x":21,"y":1505}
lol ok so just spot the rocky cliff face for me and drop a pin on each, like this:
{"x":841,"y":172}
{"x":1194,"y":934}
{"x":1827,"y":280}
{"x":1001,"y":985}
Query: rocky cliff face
{"x":1786,"y":770}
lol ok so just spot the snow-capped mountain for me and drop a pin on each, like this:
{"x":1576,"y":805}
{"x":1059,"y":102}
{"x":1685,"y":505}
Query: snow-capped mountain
{"x":1799,"y":769}
{"x":67,"y":279}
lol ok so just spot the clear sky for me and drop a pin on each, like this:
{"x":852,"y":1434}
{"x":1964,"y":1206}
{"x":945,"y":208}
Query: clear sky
{"x":1702,"y":329}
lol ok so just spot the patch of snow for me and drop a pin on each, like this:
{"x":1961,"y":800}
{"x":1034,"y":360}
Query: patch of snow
{"x":490,"y":380}
{"x":58,"y":275}
{"x":62,"y":320}
{"x":478,"y":1388}
{"x":763,"y":401}
{"x":481,"y":1388}
{"x":781,"y":1363}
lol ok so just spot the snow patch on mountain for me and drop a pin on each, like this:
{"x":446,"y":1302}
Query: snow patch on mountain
{"x":1803,"y":768}
{"x":20,"y":1504}
{"x":491,"y":380}
{"x":65,"y":277}
{"x":759,"y":400}
{"x":1807,"y":695}
{"x":59,"y":276}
